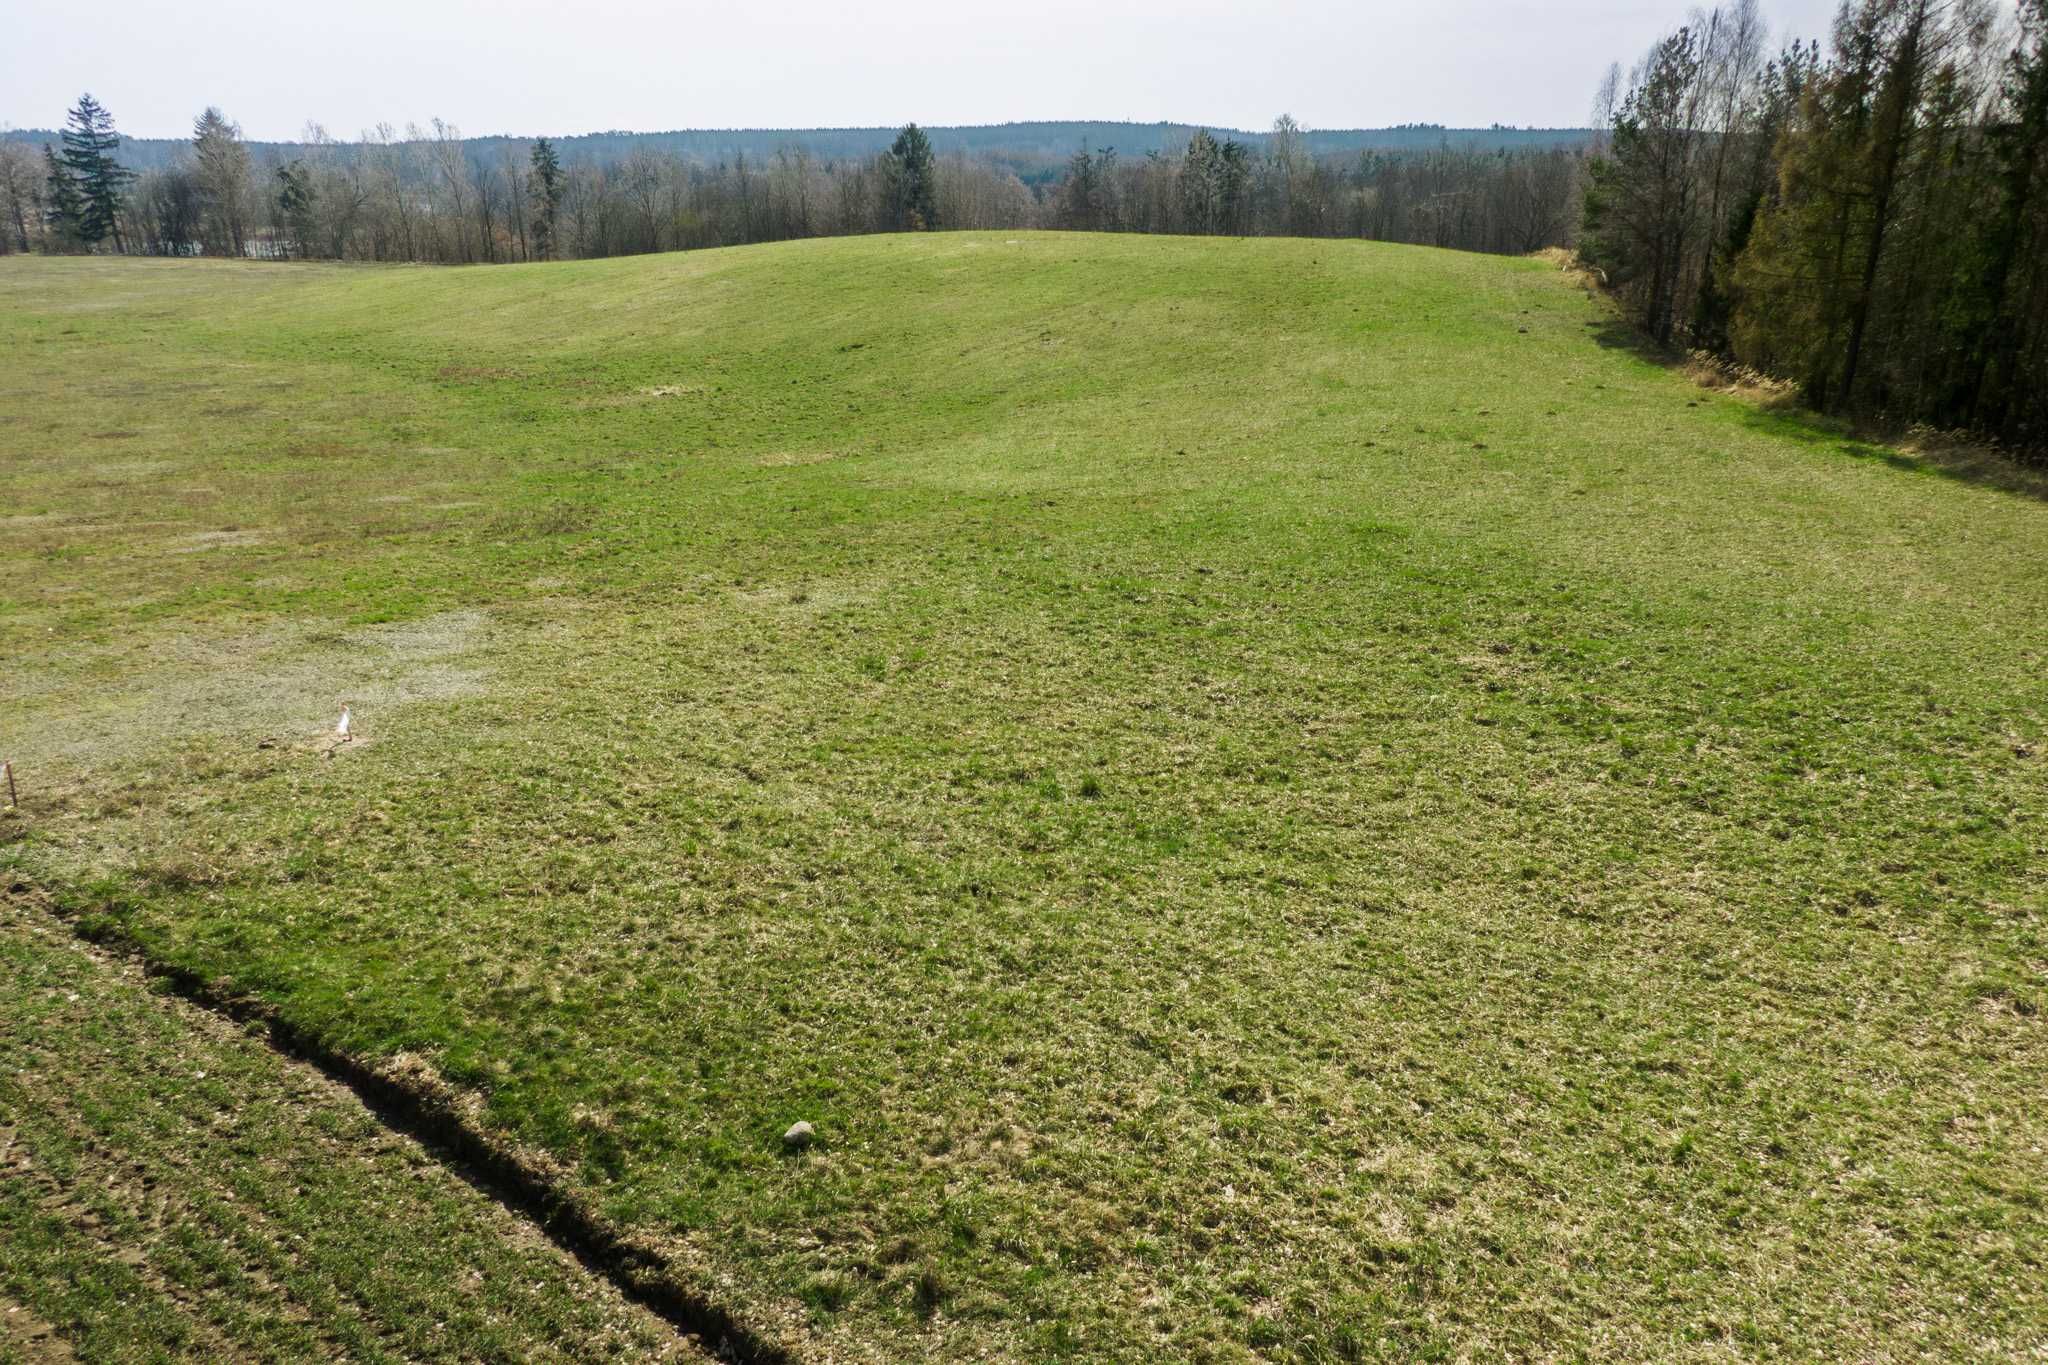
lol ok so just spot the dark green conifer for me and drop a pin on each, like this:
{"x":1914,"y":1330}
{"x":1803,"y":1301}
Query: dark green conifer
{"x":97,"y":179}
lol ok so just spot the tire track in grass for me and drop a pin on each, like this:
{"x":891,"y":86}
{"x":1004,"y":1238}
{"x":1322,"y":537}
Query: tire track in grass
{"x":432,"y":1116}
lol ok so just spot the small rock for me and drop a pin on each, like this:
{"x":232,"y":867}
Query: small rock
{"x":799,"y":1136}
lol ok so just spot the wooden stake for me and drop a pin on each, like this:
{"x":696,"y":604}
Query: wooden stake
{"x":12,"y":800}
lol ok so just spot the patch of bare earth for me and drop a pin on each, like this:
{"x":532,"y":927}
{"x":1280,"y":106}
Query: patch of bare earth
{"x":286,"y":683}
{"x":23,"y":1335}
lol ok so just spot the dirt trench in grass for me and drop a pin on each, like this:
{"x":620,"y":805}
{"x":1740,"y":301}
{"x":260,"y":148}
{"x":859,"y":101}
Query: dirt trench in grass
{"x":173,"y":1187}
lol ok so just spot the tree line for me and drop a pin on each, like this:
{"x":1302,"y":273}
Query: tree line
{"x":1511,"y":200}
{"x":1037,"y":152}
{"x":1870,"y":221}
{"x":429,"y":194}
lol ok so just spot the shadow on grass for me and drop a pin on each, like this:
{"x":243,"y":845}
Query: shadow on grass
{"x":1914,"y":452}
{"x":1938,"y":455}
{"x":1616,"y":335}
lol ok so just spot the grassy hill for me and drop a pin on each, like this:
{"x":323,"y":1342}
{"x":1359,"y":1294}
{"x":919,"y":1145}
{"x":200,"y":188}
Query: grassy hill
{"x":1267,"y":798}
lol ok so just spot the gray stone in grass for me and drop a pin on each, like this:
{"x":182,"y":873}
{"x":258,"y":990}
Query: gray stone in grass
{"x":799,"y":1136}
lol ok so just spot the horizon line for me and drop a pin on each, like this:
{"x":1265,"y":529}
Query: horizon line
{"x":12,"y":131}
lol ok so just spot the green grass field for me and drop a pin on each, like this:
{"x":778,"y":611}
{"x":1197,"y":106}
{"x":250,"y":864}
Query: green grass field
{"x":172,"y":1190}
{"x":1269,"y":799}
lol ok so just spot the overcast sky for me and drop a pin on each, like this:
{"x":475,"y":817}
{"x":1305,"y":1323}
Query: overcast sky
{"x":546,"y":66}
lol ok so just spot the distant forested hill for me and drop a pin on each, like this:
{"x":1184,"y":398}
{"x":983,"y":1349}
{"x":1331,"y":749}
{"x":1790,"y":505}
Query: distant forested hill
{"x":1034,"y":151}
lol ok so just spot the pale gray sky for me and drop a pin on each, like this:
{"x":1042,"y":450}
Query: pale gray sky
{"x":545,"y":66}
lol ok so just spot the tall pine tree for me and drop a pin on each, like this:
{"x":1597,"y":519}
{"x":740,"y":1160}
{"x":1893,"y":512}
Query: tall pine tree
{"x":1083,"y":200}
{"x":98,"y":179}
{"x":544,"y":193}
{"x":1201,"y":189}
{"x":62,"y":208}
{"x":912,"y":182}
{"x":295,"y":203}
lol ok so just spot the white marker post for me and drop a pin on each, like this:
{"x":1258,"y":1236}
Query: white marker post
{"x":341,"y":733}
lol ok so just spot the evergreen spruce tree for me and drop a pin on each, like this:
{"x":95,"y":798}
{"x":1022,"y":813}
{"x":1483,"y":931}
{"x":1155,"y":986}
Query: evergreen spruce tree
{"x":912,"y":181}
{"x":1233,"y":183}
{"x":89,"y":144}
{"x":1774,"y":104}
{"x":1200,"y":171}
{"x":1079,"y":201}
{"x":62,"y":207}
{"x":1793,"y":276}
{"x":295,"y":203}
{"x":544,"y":191}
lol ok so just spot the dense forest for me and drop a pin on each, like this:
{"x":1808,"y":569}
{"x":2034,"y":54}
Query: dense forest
{"x":1869,"y":220}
